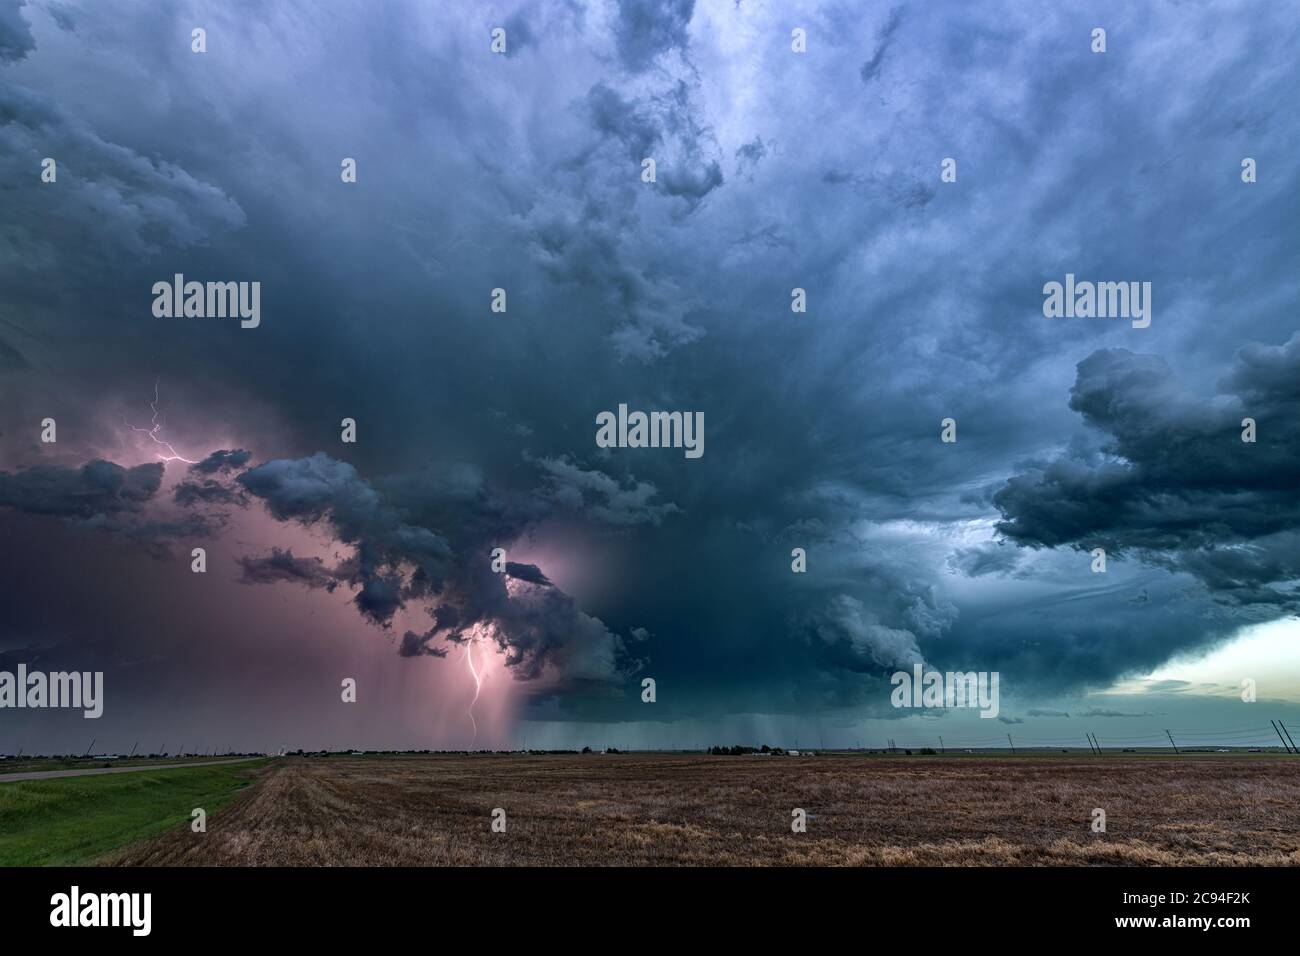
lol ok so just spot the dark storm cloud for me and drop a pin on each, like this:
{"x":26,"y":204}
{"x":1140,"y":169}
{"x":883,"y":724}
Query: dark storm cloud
{"x":214,"y":491}
{"x":399,"y":559}
{"x":591,"y":257}
{"x":648,"y":28}
{"x":1173,"y":481}
{"x":16,"y":39}
{"x":586,"y":238}
{"x":543,"y":631}
{"x":318,"y":488}
{"x":684,"y":171}
{"x":223,"y":461}
{"x":67,"y":245}
{"x":750,"y":154}
{"x":602,"y":497}
{"x":307,"y":490}
{"x":417,"y":645}
{"x":692,"y":183}
{"x":1063,"y":629}
{"x":102,"y":496}
{"x":206,"y":491}
{"x":283,"y":565}
{"x":522,"y":172}
{"x":106,"y":192}
{"x":620,"y":119}
{"x":854,"y":638}
{"x":526,"y":572}
{"x":97,"y":489}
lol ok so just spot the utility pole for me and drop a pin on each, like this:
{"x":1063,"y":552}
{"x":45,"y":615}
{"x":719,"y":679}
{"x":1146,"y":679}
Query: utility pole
{"x":1171,"y":741}
{"x":1279,"y":735}
{"x":1288,"y":735}
{"x":1013,"y":745}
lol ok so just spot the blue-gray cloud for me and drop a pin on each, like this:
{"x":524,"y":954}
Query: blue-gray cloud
{"x":775,"y":170}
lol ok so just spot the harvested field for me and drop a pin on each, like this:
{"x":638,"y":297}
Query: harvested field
{"x":697,"y":810}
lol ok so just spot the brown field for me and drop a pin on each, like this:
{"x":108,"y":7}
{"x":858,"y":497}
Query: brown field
{"x":697,"y":810}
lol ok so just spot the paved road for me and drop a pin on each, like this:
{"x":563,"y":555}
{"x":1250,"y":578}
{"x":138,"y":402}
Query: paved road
{"x":50,"y":774}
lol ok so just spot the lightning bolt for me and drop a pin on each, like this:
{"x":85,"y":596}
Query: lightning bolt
{"x":478,"y":686}
{"x":155,"y":425}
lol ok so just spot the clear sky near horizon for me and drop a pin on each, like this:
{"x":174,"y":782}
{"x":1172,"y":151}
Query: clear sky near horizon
{"x":776,"y":168}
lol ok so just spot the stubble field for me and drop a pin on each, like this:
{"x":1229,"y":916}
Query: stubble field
{"x":633,"y":809}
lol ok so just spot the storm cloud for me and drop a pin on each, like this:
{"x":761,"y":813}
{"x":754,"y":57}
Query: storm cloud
{"x":776,"y":171}
{"x":542,"y":630}
{"x":97,"y":489}
{"x":281,"y":566}
{"x":1172,"y":479}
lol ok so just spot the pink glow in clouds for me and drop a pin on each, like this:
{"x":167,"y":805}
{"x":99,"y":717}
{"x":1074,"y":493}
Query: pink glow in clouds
{"x":429,"y":702}
{"x":281,"y":649}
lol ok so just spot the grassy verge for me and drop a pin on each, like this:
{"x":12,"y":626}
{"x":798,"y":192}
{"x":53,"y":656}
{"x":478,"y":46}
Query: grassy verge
{"x":30,"y":764}
{"x":74,"y":820}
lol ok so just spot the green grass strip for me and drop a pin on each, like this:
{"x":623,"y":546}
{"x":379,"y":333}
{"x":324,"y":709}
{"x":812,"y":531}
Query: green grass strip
{"x":73,"y":820}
